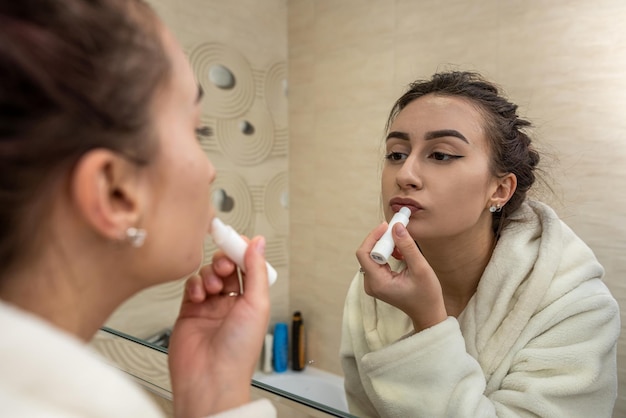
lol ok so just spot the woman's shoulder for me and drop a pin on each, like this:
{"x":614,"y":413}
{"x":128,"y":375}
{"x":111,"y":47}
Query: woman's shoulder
{"x":51,"y":369}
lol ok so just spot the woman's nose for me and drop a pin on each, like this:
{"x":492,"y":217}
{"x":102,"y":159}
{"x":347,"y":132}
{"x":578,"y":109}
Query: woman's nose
{"x":211,"y":172}
{"x":408,"y":176}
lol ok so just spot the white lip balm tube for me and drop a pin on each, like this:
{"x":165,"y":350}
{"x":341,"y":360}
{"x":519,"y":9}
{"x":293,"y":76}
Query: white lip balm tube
{"x":234,"y":246}
{"x":385,"y":245}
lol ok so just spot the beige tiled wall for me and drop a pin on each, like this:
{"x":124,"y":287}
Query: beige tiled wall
{"x":256,"y":32}
{"x":562,"y":61}
{"x":250,"y":38}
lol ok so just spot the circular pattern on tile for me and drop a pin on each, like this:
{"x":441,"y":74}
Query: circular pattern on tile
{"x":214,"y":64}
{"x":276,"y":203}
{"x":241,"y":213}
{"x":276,"y":93}
{"x":247,"y":140}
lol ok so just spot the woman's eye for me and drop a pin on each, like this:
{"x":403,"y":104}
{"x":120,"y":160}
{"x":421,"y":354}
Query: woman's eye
{"x":204,"y":131}
{"x":442,"y":156}
{"x":395,"y":156}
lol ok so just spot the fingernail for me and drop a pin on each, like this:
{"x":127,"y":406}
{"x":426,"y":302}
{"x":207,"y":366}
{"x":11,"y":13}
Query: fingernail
{"x":195,"y":291}
{"x":220,"y":263}
{"x":260,"y":246}
{"x":400,"y":230}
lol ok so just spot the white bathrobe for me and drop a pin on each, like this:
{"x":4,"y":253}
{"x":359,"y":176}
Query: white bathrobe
{"x":537,"y":339}
{"x":45,"y":372}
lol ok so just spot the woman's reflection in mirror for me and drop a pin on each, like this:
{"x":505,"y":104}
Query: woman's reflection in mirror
{"x":490,"y":305}
{"x":105,"y":191}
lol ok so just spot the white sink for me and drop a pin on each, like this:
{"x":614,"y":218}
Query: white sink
{"x":311,"y":383}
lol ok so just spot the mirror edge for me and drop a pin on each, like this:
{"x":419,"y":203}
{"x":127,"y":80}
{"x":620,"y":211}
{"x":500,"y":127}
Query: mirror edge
{"x":121,"y":351}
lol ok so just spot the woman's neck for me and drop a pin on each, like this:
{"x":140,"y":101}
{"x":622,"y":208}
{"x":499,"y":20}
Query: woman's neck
{"x":459,"y":264}
{"x":67,"y":296}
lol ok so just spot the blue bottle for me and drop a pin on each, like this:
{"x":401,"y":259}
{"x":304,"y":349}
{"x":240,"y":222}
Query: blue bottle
{"x":281,"y":347}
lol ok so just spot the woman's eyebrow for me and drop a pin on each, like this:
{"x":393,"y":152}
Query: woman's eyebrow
{"x":441,"y":133}
{"x":398,"y":135}
{"x":445,"y":132}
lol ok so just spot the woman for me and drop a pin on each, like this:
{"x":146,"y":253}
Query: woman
{"x":490,"y":306}
{"x":104,"y":191}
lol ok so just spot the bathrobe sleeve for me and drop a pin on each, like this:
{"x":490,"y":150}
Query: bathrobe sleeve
{"x":356,"y":396}
{"x":562,"y":365}
{"x":261,"y":408}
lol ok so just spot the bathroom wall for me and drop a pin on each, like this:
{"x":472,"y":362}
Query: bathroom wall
{"x":249,"y":145}
{"x":562,"y":61}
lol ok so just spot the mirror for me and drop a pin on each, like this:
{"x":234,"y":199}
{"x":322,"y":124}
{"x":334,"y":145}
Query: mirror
{"x":320,"y":150}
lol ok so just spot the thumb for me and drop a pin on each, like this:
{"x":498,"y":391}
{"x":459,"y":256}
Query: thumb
{"x":407,"y":247}
{"x":256,"y":280}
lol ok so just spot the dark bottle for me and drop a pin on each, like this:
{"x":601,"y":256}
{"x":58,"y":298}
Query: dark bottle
{"x":298,"y":361}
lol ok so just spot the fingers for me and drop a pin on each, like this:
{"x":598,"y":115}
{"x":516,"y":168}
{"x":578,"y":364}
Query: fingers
{"x":221,"y":277}
{"x":194,"y":289}
{"x":407,"y":247}
{"x":256,"y":281}
{"x":222,"y":265}
{"x":363,"y":252}
{"x":200,"y":286}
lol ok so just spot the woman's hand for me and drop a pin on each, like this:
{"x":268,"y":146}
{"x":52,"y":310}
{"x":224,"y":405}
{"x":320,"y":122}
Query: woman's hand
{"x":217,"y":338}
{"x":415,"y":290}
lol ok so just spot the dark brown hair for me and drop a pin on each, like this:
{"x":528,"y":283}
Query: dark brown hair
{"x":511,"y":148}
{"x":75,"y":75}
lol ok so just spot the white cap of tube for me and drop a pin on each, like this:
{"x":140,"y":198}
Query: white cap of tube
{"x":229,"y":241}
{"x":385,"y":245}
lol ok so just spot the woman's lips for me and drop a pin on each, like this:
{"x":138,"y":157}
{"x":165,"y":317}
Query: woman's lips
{"x":397,"y":203}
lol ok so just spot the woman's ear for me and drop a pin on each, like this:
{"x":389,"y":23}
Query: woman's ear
{"x":104,"y":188}
{"x":505,"y":187}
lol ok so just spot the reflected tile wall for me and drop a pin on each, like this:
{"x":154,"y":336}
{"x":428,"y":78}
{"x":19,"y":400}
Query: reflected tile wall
{"x":251,"y":37}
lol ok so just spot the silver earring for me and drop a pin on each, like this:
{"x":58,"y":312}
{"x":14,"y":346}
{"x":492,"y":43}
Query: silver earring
{"x":136,"y":236}
{"x":496,"y":208}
